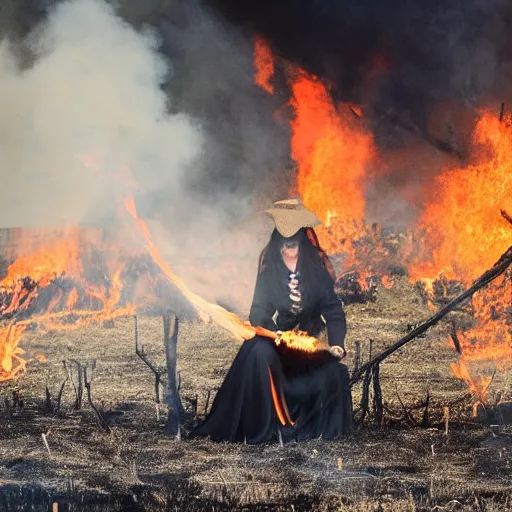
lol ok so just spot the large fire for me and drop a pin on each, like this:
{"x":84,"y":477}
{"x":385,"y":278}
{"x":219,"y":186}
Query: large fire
{"x":54,"y":283}
{"x":460,"y":233}
{"x":463,"y":234}
{"x":332,"y":155}
{"x":462,"y":230}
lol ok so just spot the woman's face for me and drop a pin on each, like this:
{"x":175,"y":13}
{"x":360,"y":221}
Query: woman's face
{"x":290,"y":249}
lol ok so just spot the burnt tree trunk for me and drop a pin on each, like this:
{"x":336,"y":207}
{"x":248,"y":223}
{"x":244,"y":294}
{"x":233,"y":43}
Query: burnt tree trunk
{"x":172,"y":394}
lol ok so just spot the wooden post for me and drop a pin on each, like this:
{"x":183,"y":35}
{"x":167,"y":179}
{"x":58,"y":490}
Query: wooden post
{"x":172,"y":394}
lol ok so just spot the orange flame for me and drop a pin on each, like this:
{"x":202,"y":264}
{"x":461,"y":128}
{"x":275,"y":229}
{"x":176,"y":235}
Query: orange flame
{"x":44,"y":258}
{"x":477,"y":385}
{"x":332,"y":156}
{"x":46,"y":255}
{"x":298,"y":340}
{"x":279,"y":402}
{"x":464,"y":234}
{"x":264,"y":64}
{"x":11,"y":362}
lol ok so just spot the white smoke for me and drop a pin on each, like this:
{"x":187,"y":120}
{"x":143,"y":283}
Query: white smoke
{"x":88,"y":118}
{"x":90,"y":107}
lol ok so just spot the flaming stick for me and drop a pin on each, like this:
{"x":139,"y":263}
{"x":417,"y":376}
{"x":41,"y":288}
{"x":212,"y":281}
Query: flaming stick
{"x":207,"y":311}
{"x":292,"y":339}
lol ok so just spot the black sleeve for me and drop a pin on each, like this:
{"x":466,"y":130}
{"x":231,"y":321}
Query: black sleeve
{"x":262,"y":308}
{"x":332,"y":311}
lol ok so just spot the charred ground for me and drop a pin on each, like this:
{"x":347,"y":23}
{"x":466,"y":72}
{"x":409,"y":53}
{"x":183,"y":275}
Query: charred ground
{"x":399,"y":466}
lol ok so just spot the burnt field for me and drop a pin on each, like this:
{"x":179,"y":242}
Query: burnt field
{"x":409,"y":462}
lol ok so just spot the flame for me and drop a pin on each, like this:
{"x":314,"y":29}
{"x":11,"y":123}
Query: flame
{"x":489,"y":342}
{"x":47,"y":258}
{"x":463,"y":235}
{"x":332,"y":156}
{"x":264,"y":64}
{"x":477,"y":385}
{"x":11,"y":362}
{"x":298,"y":340}
{"x":331,"y":152}
{"x":43,"y":261}
{"x":387,"y":281}
{"x":279,"y":402}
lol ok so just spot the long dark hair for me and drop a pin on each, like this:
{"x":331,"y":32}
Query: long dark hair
{"x":312,"y":265}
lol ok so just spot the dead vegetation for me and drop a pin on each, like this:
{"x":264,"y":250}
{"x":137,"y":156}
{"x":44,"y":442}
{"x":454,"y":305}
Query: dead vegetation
{"x":411,"y":462}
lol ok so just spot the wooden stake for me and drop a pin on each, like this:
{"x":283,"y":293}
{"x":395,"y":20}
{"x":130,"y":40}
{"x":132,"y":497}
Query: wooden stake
{"x":45,"y":441}
{"x":172,"y":391}
{"x":446,"y":420}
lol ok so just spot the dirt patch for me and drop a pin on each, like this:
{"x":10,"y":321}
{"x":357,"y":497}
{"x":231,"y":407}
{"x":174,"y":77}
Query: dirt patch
{"x":396,"y":467}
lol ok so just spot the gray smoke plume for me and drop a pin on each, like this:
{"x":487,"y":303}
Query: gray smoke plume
{"x":154,"y":100}
{"x":88,"y":107}
{"x":420,"y":69}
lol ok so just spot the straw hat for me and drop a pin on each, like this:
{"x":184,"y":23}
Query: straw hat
{"x":290,"y":215}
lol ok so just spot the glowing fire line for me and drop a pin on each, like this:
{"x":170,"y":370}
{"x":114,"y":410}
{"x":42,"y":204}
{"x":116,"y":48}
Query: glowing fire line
{"x":11,"y":362}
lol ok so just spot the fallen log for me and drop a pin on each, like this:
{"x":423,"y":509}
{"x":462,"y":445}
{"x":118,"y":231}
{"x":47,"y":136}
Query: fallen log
{"x":499,"y":268}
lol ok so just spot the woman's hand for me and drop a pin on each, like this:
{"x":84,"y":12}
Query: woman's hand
{"x":337,"y":351}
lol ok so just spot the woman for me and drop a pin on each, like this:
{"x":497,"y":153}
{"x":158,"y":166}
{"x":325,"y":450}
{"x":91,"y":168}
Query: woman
{"x":273,"y":391}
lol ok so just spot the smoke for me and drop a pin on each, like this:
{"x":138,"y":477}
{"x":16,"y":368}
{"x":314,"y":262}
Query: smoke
{"x":89,"y":107}
{"x":397,"y":55}
{"x":421,"y":70}
{"x":152,"y":99}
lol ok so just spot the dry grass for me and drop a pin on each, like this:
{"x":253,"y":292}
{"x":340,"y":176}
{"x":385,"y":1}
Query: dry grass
{"x":397,"y":467}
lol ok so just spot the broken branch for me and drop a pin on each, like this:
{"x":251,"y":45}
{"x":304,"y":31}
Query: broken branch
{"x":506,"y":216}
{"x":455,"y":339}
{"x":101,"y":420}
{"x":158,"y":372}
{"x":499,"y":268}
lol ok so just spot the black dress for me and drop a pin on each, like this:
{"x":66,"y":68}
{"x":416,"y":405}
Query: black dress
{"x":269,"y":388}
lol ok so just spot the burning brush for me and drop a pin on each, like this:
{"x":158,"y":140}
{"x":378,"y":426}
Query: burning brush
{"x":296,"y":340}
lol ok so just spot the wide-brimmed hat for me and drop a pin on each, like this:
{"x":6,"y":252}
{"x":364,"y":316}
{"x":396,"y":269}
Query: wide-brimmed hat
{"x":290,"y":215}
